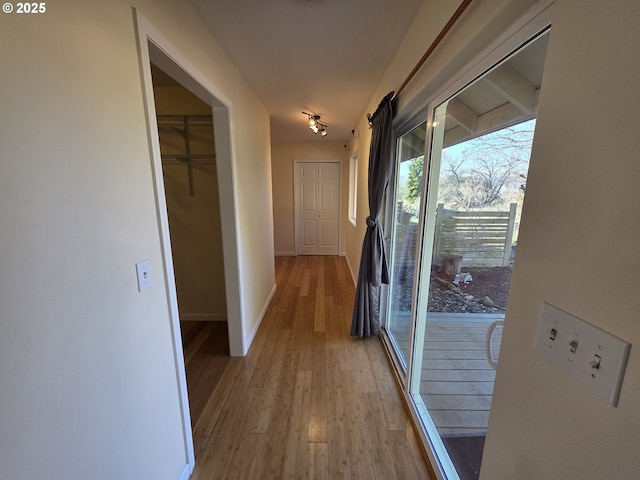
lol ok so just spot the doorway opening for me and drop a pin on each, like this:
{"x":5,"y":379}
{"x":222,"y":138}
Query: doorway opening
{"x":187,"y":148}
{"x":155,"y":49}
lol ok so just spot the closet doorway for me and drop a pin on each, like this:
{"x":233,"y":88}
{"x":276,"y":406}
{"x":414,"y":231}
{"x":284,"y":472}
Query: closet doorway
{"x":155,"y":49}
{"x":187,"y":148}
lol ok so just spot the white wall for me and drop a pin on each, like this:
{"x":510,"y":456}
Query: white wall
{"x":86,"y":362}
{"x":578,"y":249}
{"x":354,"y":234}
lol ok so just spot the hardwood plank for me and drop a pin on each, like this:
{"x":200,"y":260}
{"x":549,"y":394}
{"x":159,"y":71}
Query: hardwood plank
{"x":278,"y":433}
{"x":233,"y":376}
{"x":237,"y":438}
{"x":361,"y":467}
{"x":255,"y":451}
{"x":319,"y":324}
{"x":339,"y":445}
{"x":388,"y":395}
{"x":318,"y":461}
{"x":271,"y":389}
{"x":318,"y":416}
{"x":206,"y":349}
{"x":382,"y":460}
{"x":306,"y":278}
{"x":406,"y":454}
{"x":308,"y":401}
{"x":297,"y":449}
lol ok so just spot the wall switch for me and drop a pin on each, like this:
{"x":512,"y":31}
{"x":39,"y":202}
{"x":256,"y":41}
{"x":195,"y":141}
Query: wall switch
{"x":595,"y":357}
{"x":144,"y":275}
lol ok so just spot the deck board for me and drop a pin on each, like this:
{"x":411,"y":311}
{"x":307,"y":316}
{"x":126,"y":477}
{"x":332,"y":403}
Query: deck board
{"x":456,"y":379}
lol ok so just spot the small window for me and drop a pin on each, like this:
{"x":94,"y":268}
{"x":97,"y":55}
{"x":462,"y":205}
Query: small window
{"x":353,"y":187}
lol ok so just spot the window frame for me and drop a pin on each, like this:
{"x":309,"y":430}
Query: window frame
{"x":353,"y":189}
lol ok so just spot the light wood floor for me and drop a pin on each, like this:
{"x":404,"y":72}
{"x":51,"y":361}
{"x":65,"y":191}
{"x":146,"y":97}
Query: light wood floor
{"x":308,"y":401}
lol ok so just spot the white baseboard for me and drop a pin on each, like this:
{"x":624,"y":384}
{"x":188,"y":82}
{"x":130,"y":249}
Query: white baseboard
{"x":252,"y":335}
{"x":186,"y":472}
{"x":353,"y":277}
{"x":285,"y":254}
{"x":203,"y":317}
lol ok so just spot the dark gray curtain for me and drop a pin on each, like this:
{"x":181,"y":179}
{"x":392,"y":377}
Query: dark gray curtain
{"x":373,"y":263}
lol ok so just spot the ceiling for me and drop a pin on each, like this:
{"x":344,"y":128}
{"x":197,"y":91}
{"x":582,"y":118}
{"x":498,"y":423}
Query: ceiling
{"x":320,"y":56}
{"x":506,"y":95}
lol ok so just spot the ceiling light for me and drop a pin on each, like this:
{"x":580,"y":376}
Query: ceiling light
{"x":315,"y":125}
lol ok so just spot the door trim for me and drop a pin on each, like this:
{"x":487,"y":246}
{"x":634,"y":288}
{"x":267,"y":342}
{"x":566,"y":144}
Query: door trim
{"x":296,"y":213}
{"x":152,"y":44}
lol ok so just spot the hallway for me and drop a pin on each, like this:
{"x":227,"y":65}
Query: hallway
{"x":308,"y":401}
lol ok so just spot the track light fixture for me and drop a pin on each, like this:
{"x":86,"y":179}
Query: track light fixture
{"x":315,"y":125}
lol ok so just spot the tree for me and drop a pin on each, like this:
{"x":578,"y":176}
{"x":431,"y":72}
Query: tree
{"x":414,"y":180}
{"x":488,"y":169}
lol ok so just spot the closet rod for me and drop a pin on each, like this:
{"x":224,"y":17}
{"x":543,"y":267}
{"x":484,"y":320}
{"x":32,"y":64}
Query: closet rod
{"x":180,"y":118}
{"x":454,"y":18}
{"x":188,"y":156}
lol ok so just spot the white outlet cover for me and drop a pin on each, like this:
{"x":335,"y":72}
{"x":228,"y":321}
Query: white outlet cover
{"x":611,"y":351}
{"x":144,"y":275}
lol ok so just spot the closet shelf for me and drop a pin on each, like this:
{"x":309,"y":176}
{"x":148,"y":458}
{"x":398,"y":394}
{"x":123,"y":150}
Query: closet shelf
{"x":186,"y":126}
{"x":184,"y":159}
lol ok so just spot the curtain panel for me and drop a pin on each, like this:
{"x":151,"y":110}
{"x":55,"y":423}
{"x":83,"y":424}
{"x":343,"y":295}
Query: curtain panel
{"x":374,"y":269}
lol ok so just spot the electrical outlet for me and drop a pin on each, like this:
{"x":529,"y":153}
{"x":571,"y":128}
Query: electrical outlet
{"x":595,"y":357}
{"x":144,"y":275}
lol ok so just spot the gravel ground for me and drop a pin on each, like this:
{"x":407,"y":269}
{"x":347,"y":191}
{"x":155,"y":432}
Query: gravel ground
{"x":491,"y":282}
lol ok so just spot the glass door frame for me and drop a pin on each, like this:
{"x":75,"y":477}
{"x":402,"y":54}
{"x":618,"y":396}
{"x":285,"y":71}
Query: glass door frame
{"x":410,"y":377}
{"x":532,"y":24}
{"x":389,"y":217}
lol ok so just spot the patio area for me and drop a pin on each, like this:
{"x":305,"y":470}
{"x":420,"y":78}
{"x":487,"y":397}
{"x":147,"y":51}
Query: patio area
{"x":456,"y":381}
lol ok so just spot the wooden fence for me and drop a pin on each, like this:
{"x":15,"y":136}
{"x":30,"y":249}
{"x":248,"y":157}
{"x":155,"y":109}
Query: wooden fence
{"x":483,"y":239}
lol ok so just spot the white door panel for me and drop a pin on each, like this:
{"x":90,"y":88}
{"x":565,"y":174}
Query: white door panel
{"x":309,"y":234}
{"x":318,"y":207}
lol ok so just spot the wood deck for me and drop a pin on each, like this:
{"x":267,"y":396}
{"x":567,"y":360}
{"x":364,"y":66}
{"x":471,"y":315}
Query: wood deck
{"x":456,"y":380}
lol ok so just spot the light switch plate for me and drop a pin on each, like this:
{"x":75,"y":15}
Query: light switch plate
{"x":144,"y":275}
{"x":594,"y":357}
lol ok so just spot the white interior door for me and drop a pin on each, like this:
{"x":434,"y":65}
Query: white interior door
{"x":317,"y":207}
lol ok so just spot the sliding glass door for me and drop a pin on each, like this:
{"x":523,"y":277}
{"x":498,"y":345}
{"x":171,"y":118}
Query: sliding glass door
{"x":405,"y":211}
{"x":460,"y":184}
